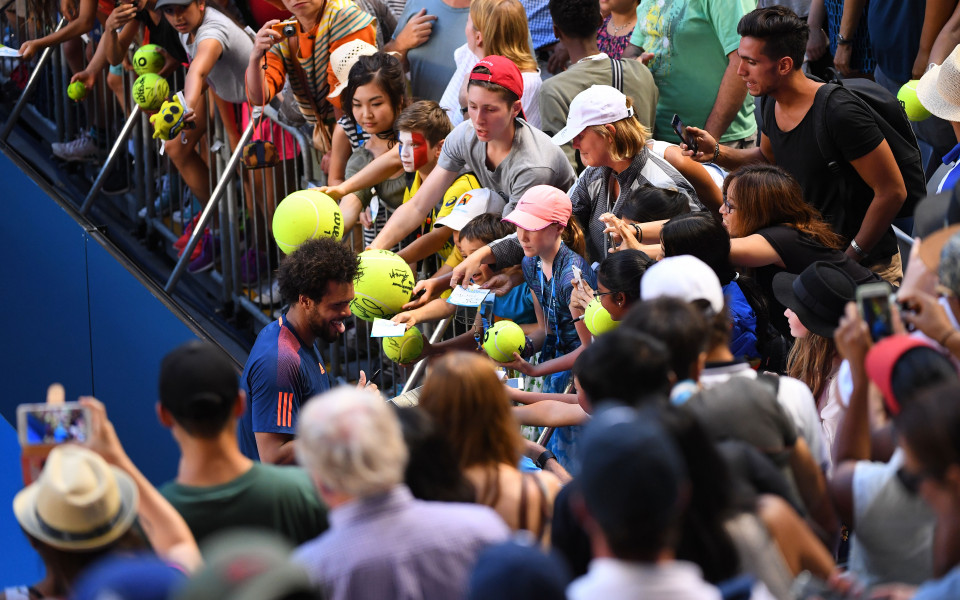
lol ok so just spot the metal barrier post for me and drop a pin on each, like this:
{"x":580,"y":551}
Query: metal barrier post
{"x":118,"y":146}
{"x":28,"y":90}
{"x":420,"y":366}
{"x":207,"y":213}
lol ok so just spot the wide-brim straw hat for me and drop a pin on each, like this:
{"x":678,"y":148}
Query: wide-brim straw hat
{"x":79,"y":502}
{"x":939,"y":88}
{"x":343,"y":58}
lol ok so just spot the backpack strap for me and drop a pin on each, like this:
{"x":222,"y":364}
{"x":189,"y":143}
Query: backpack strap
{"x":828,"y":150}
{"x":771,"y":379}
{"x":616,"y":69}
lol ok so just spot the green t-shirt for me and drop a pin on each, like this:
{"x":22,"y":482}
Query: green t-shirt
{"x":281,"y":499}
{"x":690,"y":41}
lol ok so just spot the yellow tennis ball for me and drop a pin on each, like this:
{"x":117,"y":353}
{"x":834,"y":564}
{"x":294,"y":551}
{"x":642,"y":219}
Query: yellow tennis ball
{"x":77,"y":91}
{"x":148,"y":59}
{"x":150,"y":91}
{"x":910,"y":103}
{"x":502,"y":340}
{"x":406,"y":348}
{"x":598,"y":319}
{"x":306,"y":215}
{"x":383,"y":284}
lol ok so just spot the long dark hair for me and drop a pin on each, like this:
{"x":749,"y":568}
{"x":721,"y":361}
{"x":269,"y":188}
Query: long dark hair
{"x":386,"y":71}
{"x":621,"y":272}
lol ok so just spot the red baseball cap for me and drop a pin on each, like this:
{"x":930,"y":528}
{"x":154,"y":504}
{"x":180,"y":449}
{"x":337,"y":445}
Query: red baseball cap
{"x":883,"y":357}
{"x":539,"y":207}
{"x":503,"y":72}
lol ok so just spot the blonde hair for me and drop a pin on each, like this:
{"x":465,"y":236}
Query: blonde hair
{"x":629,"y":136}
{"x":350,"y":441}
{"x":811,"y":361}
{"x":503,"y":25}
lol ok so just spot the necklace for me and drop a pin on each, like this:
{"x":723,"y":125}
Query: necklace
{"x":617,"y":30}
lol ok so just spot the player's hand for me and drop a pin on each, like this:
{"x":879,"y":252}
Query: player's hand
{"x":362,"y":383}
{"x":431,"y":290}
{"x":417,"y":31}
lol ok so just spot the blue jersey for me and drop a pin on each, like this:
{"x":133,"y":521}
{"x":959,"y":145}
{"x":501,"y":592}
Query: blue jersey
{"x":280,"y":375}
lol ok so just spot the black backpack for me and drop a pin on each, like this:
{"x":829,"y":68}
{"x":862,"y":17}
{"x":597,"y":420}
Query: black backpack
{"x":893,"y":123}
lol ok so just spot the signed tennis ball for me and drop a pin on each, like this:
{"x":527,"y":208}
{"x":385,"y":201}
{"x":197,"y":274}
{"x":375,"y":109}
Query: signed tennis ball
{"x":150,"y":91}
{"x":502,"y":340}
{"x":597,"y":318}
{"x":404,"y":349}
{"x":77,"y":91}
{"x":910,"y":103}
{"x":383,"y":284}
{"x":148,"y":59}
{"x":306,"y":215}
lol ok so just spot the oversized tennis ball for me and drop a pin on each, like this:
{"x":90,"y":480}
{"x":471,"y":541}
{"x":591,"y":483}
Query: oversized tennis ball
{"x":77,"y":91}
{"x":404,"y":349}
{"x":148,"y":59}
{"x":597,"y":319}
{"x":306,"y":215}
{"x":382,"y":286}
{"x":150,"y":90}
{"x":910,"y":103}
{"x":502,"y":340}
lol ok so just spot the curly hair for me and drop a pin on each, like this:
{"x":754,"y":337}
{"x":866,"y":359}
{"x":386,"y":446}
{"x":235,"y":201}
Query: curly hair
{"x":576,"y":18}
{"x":311,"y":266}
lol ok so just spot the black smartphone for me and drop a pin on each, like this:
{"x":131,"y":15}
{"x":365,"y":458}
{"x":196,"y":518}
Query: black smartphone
{"x":874,"y":301}
{"x":681,"y":130}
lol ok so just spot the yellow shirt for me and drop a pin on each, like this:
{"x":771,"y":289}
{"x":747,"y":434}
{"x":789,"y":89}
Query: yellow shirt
{"x":463,"y":184}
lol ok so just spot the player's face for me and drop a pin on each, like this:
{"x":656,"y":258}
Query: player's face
{"x":326,"y":316}
{"x":756,"y":69}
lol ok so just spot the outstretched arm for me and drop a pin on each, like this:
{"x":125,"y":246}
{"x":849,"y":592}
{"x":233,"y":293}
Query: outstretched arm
{"x":411,"y":214}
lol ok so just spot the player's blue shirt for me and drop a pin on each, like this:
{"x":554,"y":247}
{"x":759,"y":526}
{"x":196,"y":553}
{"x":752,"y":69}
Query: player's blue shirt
{"x":280,"y":375}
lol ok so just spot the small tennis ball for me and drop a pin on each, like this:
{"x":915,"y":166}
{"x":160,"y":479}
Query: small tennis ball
{"x":597,"y":318}
{"x":150,"y":91}
{"x":148,"y":59}
{"x":306,"y":215}
{"x":404,"y":349}
{"x":910,"y":103}
{"x":502,"y":340}
{"x":77,"y":91}
{"x":383,"y":284}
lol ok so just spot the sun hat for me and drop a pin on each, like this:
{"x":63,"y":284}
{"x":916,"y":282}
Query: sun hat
{"x":342,"y":60}
{"x":539,"y":207}
{"x":470,"y":205}
{"x":939,"y":88}
{"x":78,"y":502}
{"x":503,"y":72}
{"x":883,"y":357}
{"x":197,"y":380}
{"x":596,"y":105}
{"x":818,"y":295}
{"x":685,"y":277}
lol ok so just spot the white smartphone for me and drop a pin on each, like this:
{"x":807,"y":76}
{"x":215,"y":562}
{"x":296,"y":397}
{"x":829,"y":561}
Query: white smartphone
{"x":50,"y":424}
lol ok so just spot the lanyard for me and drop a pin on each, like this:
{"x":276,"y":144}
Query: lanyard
{"x":551,"y":309}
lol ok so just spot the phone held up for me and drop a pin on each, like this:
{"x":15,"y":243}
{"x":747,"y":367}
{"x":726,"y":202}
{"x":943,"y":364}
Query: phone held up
{"x":41,"y":427}
{"x":681,"y":131}
{"x":874,"y":301}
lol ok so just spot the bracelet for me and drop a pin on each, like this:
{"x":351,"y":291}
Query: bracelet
{"x":856,"y":248}
{"x":943,"y":341}
{"x":543,"y":458}
{"x":639,"y":231}
{"x":716,"y":153}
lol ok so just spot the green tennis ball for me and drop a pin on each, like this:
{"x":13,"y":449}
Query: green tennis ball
{"x":150,"y":90}
{"x":404,"y":349}
{"x":383,"y":284}
{"x":306,"y":215}
{"x":910,"y":103}
{"x":502,"y":340}
{"x":148,"y":59}
{"x":77,"y":91}
{"x":598,"y":319}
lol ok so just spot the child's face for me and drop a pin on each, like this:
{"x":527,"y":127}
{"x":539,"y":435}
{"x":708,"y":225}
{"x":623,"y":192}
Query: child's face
{"x":415,"y":152}
{"x":372,"y":109}
{"x":467,"y":247}
{"x":492,"y":116}
{"x":538,"y":243}
{"x":185,"y":18}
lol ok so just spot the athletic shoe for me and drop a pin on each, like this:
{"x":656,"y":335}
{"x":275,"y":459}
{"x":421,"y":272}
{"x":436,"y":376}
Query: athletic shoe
{"x":181,"y":242}
{"x":203,"y":262}
{"x":269,"y":294}
{"x":253,"y":266}
{"x":82,"y":149}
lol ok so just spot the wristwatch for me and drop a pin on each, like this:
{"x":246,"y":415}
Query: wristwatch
{"x":543,"y":458}
{"x":842,"y":40}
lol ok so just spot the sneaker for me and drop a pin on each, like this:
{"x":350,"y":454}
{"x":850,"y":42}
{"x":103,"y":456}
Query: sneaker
{"x":82,"y":149}
{"x":117,"y":182}
{"x":253,"y":267}
{"x":181,"y":242}
{"x":191,"y":208}
{"x":204,"y":261}
{"x":269,"y":294}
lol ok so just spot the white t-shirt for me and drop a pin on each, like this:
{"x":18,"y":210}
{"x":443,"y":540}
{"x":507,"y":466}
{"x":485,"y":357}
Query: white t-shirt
{"x":227,"y":75}
{"x":613,"y":579}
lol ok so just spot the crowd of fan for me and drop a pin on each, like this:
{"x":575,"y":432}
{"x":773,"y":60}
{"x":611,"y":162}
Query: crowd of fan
{"x":750,"y":429}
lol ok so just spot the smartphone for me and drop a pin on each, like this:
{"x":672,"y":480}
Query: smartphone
{"x":577,"y":274}
{"x":515,"y":382}
{"x":681,"y":130}
{"x":874,"y":301}
{"x":51,"y":424}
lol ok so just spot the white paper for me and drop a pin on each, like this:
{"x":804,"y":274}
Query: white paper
{"x":464,"y":297}
{"x":384,"y":328}
{"x":8,"y":52}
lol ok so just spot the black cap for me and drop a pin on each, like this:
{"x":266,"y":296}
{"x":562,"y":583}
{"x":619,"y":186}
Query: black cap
{"x":197,"y":380}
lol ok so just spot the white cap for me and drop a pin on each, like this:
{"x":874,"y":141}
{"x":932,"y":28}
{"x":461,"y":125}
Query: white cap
{"x":343,"y":59}
{"x":472,"y":204}
{"x":596,"y":105}
{"x":685,"y":277}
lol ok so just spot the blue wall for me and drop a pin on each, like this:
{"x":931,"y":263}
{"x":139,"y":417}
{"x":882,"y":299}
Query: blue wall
{"x":71,"y":313}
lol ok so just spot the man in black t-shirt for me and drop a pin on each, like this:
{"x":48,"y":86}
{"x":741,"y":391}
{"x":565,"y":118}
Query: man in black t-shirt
{"x":861,"y":203}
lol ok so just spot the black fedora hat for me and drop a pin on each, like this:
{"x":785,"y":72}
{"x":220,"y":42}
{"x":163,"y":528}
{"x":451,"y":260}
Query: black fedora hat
{"x":818,"y":295}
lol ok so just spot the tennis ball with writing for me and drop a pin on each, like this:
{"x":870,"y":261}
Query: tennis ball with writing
{"x":910,"y":103}
{"x":150,"y":90}
{"x":502,"y":340}
{"x":383,"y":284}
{"x":404,"y":349}
{"x":77,"y":91}
{"x":306,"y":215}
{"x":597,"y":318}
{"x":148,"y":59}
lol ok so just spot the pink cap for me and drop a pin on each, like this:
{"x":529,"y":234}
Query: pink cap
{"x":540,"y":206}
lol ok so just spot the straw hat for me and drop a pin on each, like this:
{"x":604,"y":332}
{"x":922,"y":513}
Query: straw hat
{"x":79,"y":502}
{"x":939,"y":88}
{"x":343,"y":59}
